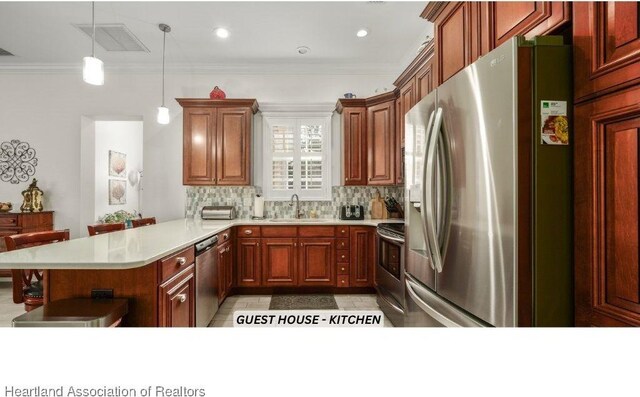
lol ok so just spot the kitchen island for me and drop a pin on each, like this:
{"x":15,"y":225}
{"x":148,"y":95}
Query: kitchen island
{"x":153,"y":266}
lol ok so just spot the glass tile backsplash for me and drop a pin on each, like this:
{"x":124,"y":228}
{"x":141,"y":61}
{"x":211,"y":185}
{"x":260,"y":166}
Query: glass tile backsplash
{"x":242,"y":198}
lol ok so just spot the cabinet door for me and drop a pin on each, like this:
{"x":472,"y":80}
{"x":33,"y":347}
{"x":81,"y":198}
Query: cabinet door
{"x":316,"y":259}
{"x":529,"y":18}
{"x":407,"y":100}
{"x":228,"y":271}
{"x":248,"y":264}
{"x":279,"y":262}
{"x":233,"y":137}
{"x":381,"y":144}
{"x":177,"y":300}
{"x":223,"y":258}
{"x":198,"y":167}
{"x":606,"y":41}
{"x":606,"y":210}
{"x":452,"y":40}
{"x":355,"y":148}
{"x":424,"y":80}
{"x":362,"y":241}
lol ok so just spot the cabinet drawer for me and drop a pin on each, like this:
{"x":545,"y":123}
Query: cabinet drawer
{"x":342,"y":231}
{"x":342,"y":256}
{"x":316,"y":231}
{"x":176,"y":263}
{"x":224,"y":236}
{"x":248,"y":231}
{"x":10,"y":220}
{"x":342,"y":243}
{"x":343,"y":269}
{"x":279,"y":231}
{"x":343,"y":281}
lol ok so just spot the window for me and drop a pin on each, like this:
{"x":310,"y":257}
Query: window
{"x":297,"y":158}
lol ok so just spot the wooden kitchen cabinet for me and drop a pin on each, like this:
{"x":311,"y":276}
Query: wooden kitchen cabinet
{"x":279,"y":262}
{"x":607,"y":270}
{"x":217,"y":141}
{"x":225,"y":270}
{"x":249,"y":262}
{"x":316,"y":261}
{"x":453,"y":40}
{"x":354,"y":138}
{"x":424,"y":81}
{"x":362,"y":242}
{"x":405,"y":102}
{"x":381,"y":143}
{"x":177,"y":300}
{"x":606,"y":39}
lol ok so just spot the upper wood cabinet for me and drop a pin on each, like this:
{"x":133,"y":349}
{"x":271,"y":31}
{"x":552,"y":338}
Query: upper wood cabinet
{"x":217,"y":141}
{"x":606,"y":38}
{"x":354,"y":130}
{"x":381,"y":142}
{"x":464,"y":31}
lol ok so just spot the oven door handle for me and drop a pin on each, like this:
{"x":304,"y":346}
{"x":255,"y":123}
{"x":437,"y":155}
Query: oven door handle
{"x":388,"y":237}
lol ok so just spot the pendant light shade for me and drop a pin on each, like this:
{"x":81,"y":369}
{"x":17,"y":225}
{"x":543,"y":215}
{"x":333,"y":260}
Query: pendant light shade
{"x":163,"y":115}
{"x":163,"y":111}
{"x":92,"y":71}
{"x":92,"y":67}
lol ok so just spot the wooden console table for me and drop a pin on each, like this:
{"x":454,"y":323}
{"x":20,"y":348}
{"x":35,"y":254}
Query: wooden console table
{"x":22,"y":222}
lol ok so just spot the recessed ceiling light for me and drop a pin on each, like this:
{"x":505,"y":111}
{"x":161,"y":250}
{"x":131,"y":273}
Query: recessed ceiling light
{"x":362,"y":33}
{"x":302,"y":50}
{"x":222,"y":33}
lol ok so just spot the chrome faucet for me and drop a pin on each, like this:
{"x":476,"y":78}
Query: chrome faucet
{"x":297,"y":212}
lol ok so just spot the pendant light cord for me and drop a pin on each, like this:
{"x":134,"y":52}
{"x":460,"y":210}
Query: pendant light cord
{"x":164,"y":42}
{"x":93,"y":24}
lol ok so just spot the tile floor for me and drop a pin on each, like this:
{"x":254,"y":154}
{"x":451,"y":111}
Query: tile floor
{"x":8,"y":309}
{"x":224,"y":317}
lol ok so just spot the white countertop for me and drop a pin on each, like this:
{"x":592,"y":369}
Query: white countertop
{"x":133,"y":248}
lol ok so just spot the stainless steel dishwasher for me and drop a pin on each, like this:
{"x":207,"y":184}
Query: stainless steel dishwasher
{"x":206,"y":281}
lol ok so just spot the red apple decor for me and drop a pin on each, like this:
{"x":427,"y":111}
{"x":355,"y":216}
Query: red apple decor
{"x":217,"y":93}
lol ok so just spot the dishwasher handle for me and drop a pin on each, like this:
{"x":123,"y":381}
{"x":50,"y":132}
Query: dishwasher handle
{"x":206,"y":245}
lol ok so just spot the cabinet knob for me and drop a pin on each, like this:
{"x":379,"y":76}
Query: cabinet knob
{"x":227,"y":250}
{"x":302,"y":244}
{"x":346,"y":179}
{"x":370,"y":178}
{"x":295,"y":244}
{"x":342,"y":281}
{"x":342,"y":256}
{"x":181,"y":260}
{"x":248,"y":231}
{"x":182,"y":298}
{"x":342,"y":268}
{"x":225,"y":236}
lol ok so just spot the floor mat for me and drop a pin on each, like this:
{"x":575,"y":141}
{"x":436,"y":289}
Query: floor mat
{"x":303,"y":302}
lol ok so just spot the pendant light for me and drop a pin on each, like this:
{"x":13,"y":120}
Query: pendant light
{"x":163,"y":112}
{"x":92,"y":67}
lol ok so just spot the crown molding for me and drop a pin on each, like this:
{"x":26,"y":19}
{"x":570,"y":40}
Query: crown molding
{"x":258,"y":68}
{"x":324,"y":108}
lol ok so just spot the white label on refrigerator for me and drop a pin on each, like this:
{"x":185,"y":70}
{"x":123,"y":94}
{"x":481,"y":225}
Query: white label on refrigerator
{"x":554,"y":123}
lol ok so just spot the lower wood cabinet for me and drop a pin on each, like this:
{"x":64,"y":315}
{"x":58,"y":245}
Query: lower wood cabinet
{"x":362,"y":241}
{"x":249,"y":263}
{"x":225,"y":270}
{"x":177,"y":300}
{"x":316,"y":261}
{"x":606,"y":158}
{"x":22,"y":222}
{"x":279,"y":262}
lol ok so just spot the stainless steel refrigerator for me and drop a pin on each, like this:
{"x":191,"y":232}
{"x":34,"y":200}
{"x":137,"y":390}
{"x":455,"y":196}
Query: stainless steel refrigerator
{"x":488,"y":169}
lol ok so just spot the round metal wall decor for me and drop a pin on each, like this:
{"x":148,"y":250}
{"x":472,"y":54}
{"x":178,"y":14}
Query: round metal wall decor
{"x":17,"y":161}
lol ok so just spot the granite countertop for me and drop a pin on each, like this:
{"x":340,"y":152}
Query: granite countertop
{"x":134,"y":248}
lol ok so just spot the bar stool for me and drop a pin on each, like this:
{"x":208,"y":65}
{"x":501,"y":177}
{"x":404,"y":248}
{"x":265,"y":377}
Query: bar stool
{"x":103,"y":228}
{"x":143,"y":222}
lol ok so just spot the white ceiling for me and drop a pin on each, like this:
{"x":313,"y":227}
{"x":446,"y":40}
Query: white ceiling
{"x":264,"y":35}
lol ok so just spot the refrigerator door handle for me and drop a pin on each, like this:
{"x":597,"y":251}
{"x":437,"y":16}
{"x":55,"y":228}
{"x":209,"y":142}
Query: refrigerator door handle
{"x":423,"y":213}
{"x":444,"y":193}
{"x":425,"y":306}
{"x":428,"y":218}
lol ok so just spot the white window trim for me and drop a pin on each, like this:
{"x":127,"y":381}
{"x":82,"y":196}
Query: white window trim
{"x":324,"y":194}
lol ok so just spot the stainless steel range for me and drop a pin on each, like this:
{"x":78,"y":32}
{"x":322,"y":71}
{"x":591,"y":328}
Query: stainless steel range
{"x":390,"y":282}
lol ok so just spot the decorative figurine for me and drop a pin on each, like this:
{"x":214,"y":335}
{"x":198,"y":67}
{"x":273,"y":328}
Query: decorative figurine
{"x":217,"y":93}
{"x":32,"y":198}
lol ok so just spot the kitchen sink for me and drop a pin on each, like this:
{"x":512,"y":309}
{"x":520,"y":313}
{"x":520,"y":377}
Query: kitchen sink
{"x":303,"y":220}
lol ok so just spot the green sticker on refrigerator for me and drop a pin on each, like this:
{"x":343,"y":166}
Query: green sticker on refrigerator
{"x":554,"y":123}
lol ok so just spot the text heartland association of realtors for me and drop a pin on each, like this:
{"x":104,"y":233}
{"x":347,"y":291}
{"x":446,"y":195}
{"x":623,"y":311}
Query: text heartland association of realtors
{"x":103,"y":391}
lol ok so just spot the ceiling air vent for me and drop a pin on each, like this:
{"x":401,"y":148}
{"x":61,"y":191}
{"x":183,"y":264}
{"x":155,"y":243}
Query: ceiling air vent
{"x":114,"y":37}
{"x":4,"y":52}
